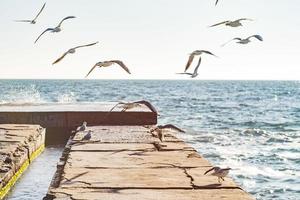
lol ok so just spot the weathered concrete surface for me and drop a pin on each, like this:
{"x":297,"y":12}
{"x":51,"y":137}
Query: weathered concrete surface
{"x":19,"y":145}
{"x":72,"y":115}
{"x":129,"y":162}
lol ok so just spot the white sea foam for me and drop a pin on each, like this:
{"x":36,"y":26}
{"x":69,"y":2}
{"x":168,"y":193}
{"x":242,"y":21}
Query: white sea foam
{"x":22,"y":95}
{"x":67,"y":98}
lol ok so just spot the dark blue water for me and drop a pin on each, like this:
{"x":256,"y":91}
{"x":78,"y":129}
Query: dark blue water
{"x":251,"y":126}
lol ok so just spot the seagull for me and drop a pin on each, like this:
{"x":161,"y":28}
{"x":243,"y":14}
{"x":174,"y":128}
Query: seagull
{"x":109,"y":63}
{"x":246,"y":40}
{"x":196,"y":53}
{"x":34,"y":20}
{"x":130,"y":105}
{"x":219,"y":172}
{"x":159,"y":130}
{"x":71,"y":51}
{"x":235,"y":23}
{"x":56,"y":29}
{"x":87,"y":136}
{"x":82,"y":127}
{"x":195,"y":74}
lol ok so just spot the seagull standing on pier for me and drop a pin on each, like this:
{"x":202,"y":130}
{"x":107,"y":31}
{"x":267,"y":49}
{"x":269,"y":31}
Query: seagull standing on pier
{"x":196,"y":53}
{"x":56,"y":29}
{"x":33,"y":21}
{"x":235,"y":23}
{"x":219,"y":172}
{"x":72,"y":51}
{"x":87,"y":136}
{"x":82,"y":127}
{"x":195,"y":73}
{"x":246,"y":40}
{"x":108,"y":64}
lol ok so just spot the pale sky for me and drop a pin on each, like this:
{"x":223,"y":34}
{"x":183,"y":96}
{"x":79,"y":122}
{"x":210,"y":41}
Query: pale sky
{"x":152,"y":37}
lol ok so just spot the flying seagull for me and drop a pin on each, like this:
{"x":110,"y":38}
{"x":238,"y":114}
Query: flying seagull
{"x":71,"y":51}
{"x":219,"y":172}
{"x":56,"y":29}
{"x":109,"y":63}
{"x":130,"y":105}
{"x":195,"y":74}
{"x":235,"y":23}
{"x":196,"y":53}
{"x":159,"y":130}
{"x":246,"y":40}
{"x":34,"y":20}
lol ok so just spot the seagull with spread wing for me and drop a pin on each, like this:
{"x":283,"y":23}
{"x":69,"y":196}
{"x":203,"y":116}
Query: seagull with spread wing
{"x":246,"y":40}
{"x":56,"y":29}
{"x":196,"y":53}
{"x":33,"y":21}
{"x":72,"y":51}
{"x":221,"y":173}
{"x":195,"y":73}
{"x":108,"y":64}
{"x":234,"y":23}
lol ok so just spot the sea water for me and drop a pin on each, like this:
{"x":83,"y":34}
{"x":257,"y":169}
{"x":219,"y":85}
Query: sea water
{"x":251,"y":126}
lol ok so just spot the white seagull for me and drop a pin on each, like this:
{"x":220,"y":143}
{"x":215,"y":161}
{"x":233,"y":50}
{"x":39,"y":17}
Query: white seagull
{"x":195,"y":73}
{"x":109,"y":63}
{"x":234,"y":23}
{"x":71,"y":51}
{"x":246,"y":40}
{"x":56,"y":29}
{"x":196,"y":53}
{"x":219,"y":172}
{"x":33,"y":21}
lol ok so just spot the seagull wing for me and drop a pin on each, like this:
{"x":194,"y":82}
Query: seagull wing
{"x":148,"y":104}
{"x":22,"y":20}
{"x":197,"y":67}
{"x":96,"y":65}
{"x":115,"y":106}
{"x":48,"y":29}
{"x":257,"y":37}
{"x":39,"y":12}
{"x":60,"y":58}
{"x":209,"y":170}
{"x":185,"y":73}
{"x":216,"y":2}
{"x":69,"y":17}
{"x":171,"y":126}
{"x":208,"y":52}
{"x":122,"y":65}
{"x":87,"y":45}
{"x":219,"y":23}
{"x":243,"y":19}
{"x":230,"y":41}
{"x":188,"y":64}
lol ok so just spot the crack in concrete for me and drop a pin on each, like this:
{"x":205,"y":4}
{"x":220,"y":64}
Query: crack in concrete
{"x":189,"y":176}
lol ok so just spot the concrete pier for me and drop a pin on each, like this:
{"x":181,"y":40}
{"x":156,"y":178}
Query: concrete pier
{"x":60,"y":118}
{"x":19,"y":145}
{"x":131,"y":163}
